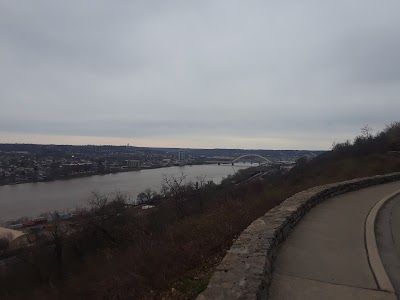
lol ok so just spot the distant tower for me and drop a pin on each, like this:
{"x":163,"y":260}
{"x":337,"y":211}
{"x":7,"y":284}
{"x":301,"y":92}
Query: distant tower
{"x":181,"y":156}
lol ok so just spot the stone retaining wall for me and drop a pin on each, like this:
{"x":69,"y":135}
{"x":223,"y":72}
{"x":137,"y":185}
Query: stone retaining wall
{"x":246,"y":270}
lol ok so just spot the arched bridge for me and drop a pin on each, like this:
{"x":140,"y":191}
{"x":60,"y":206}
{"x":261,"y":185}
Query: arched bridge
{"x":251,"y":155}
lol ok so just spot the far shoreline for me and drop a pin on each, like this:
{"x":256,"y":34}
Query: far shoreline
{"x":83,"y":175}
{"x":12,"y":219}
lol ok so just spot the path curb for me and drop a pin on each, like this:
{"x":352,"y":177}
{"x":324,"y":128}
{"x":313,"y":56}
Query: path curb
{"x":374,"y":258}
{"x":245,"y":273}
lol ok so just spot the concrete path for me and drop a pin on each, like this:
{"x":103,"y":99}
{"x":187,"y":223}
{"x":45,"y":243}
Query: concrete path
{"x":325,"y":256}
{"x":388,"y":240}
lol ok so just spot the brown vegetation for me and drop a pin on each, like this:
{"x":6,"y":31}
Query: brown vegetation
{"x":170,"y":251}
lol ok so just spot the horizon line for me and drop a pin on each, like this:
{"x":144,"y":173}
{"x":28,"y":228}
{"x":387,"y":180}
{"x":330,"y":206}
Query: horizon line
{"x":158,"y":147}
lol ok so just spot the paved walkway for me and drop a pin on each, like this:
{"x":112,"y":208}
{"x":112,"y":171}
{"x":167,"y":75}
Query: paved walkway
{"x":325,"y":255}
{"x":388,"y":240}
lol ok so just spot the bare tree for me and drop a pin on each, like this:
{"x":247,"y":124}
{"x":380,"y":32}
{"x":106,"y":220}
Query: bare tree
{"x":366,"y":131}
{"x":106,"y":213}
{"x":175,"y":187}
{"x":58,"y":232}
{"x":201,"y":180}
{"x":98,"y":202}
{"x":200,"y":183}
{"x":146,"y":196}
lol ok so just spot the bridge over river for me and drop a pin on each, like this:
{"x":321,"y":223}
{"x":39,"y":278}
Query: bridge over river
{"x":240,"y":158}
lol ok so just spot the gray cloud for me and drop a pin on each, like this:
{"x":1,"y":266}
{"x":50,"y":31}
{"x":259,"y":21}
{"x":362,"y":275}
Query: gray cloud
{"x":189,"y":69}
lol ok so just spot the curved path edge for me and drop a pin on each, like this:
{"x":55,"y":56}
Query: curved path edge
{"x":246,"y":270}
{"x":381,"y":277}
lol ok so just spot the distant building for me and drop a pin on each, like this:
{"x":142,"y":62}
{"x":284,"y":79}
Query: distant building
{"x":181,"y":156}
{"x":166,"y":162}
{"x":77,"y":168}
{"x":132,"y":163}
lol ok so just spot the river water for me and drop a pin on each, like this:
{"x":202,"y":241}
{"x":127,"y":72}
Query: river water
{"x":32,"y":199}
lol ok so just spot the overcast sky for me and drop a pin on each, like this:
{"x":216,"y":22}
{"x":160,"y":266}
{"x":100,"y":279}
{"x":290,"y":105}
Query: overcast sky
{"x":239,"y":74}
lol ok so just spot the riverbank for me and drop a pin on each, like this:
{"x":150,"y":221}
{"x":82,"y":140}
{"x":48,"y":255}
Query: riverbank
{"x":33,"y":199}
{"x":87,"y":174}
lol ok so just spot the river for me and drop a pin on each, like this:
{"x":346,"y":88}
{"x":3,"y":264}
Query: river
{"x":32,"y":199}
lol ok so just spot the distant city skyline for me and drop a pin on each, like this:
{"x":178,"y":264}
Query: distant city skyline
{"x":198,"y":74}
{"x":206,"y":143}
